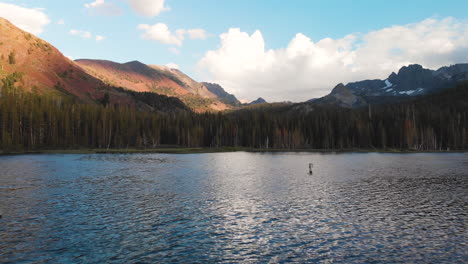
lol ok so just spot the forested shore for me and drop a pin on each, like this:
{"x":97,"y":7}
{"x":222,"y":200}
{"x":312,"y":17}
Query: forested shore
{"x":32,"y":122}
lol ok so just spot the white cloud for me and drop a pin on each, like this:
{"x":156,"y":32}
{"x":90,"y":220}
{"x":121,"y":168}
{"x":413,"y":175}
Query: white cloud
{"x":197,"y":33}
{"x":86,"y":35}
{"x":149,"y":8}
{"x":160,"y":32}
{"x":172,"y":65}
{"x":32,"y":20}
{"x":100,"y":38}
{"x":61,"y":22}
{"x":95,"y":4}
{"x":306,"y":69}
{"x":80,"y":33}
{"x":102,"y":7}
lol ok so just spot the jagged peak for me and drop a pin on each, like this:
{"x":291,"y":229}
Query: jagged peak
{"x":259,"y":100}
{"x":410,"y":68}
{"x":339,"y":88}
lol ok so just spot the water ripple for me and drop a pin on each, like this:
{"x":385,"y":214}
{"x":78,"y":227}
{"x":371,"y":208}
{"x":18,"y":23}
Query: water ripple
{"x":234,"y":207}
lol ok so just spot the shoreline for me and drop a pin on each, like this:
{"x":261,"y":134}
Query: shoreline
{"x":195,"y":150}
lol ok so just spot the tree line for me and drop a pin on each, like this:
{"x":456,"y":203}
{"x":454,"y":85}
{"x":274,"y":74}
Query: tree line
{"x":30,"y":121}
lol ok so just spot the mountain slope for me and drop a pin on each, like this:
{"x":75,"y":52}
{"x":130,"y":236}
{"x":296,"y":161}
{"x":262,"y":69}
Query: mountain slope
{"x":342,"y":96}
{"x":136,"y":76}
{"x":187,"y":83}
{"x":222,"y":95}
{"x":44,"y":68}
{"x":34,"y":65}
{"x":412,"y":80}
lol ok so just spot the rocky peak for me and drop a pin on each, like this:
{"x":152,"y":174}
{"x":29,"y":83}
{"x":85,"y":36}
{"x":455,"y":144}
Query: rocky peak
{"x":341,"y":96}
{"x":222,"y":94}
{"x":452,"y":70}
{"x":393,"y":77}
{"x":341,"y":89}
{"x":258,"y":101}
{"x":411,"y":70}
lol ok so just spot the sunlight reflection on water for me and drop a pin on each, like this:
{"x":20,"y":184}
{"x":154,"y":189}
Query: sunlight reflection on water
{"x":234,"y":207}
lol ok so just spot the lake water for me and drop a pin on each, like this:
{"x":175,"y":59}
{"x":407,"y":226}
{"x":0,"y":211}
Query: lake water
{"x":234,"y":207}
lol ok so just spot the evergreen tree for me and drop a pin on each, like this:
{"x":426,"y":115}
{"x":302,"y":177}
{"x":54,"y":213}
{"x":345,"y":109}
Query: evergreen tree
{"x":12,"y":57}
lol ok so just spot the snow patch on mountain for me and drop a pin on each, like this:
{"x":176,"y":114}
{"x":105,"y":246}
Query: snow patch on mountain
{"x":388,"y":84}
{"x":410,"y":92}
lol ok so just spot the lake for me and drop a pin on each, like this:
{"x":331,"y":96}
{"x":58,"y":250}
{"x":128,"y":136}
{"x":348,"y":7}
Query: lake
{"x":234,"y":207}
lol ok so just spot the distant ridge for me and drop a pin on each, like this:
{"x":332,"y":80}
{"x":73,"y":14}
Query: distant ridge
{"x":39,"y":67}
{"x":137,"y":76}
{"x":410,"y":81}
{"x":223,"y":96}
{"x":258,"y":101}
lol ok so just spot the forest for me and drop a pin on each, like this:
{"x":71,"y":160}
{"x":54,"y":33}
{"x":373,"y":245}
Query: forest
{"x":32,"y":122}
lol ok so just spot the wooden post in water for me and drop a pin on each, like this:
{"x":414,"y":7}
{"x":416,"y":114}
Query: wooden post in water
{"x":310,"y":168}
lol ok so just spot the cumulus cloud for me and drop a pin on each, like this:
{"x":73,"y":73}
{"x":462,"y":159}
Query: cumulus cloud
{"x":86,"y":35}
{"x":197,"y":33}
{"x":95,"y":4}
{"x":172,"y":65}
{"x":305,"y":69}
{"x":149,"y":8}
{"x":160,"y":32}
{"x":32,"y":20}
{"x":80,"y":33}
{"x":102,"y":7}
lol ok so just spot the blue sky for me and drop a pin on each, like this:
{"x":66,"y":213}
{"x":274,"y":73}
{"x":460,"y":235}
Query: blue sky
{"x":277,"y":21}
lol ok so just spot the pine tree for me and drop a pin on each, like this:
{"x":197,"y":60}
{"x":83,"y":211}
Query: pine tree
{"x":12,"y":57}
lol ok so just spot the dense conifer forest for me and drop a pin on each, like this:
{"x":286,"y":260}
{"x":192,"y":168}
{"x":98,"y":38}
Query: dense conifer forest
{"x":30,"y":122}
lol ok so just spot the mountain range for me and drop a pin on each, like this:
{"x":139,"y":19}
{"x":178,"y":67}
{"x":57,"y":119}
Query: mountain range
{"x":139,"y":77}
{"x":45,"y":70}
{"x":412,"y":80}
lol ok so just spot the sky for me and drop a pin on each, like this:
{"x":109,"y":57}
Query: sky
{"x":279,"y":50}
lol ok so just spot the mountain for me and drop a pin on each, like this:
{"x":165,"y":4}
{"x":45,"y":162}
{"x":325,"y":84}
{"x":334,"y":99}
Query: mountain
{"x":222,"y":95}
{"x":136,"y":76}
{"x":412,"y":80}
{"x":342,"y":96}
{"x":187,"y":83}
{"x":44,"y":68}
{"x":258,"y":101}
{"x":34,"y":65}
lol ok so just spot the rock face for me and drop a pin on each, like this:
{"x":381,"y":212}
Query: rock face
{"x":258,"y":101}
{"x":410,"y":80}
{"x":453,"y":71}
{"x":222,"y":95}
{"x":342,"y":96}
